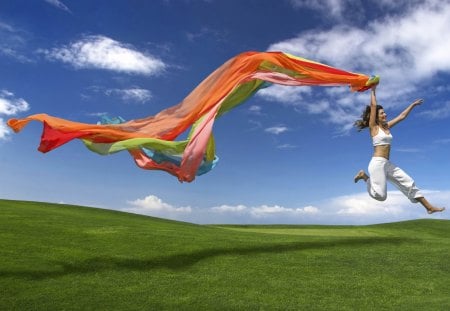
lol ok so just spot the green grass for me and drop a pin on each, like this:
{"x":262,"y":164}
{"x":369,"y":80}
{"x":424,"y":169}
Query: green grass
{"x":61,"y":257}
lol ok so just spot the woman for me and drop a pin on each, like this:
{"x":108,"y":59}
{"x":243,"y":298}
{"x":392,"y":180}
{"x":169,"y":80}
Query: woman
{"x":380,"y":168}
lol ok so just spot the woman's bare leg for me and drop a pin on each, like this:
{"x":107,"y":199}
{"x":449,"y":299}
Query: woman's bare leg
{"x":430,"y":208}
{"x":361,"y":175}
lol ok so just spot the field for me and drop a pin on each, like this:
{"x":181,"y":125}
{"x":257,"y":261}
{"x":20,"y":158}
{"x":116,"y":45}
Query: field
{"x":61,"y":257}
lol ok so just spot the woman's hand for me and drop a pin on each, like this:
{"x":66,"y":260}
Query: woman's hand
{"x":417,"y":102}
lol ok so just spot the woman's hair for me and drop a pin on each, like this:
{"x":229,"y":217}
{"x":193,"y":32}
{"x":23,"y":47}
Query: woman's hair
{"x":364,"y":121}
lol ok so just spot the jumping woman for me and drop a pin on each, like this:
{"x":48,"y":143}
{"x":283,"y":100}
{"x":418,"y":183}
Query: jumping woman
{"x":380,"y":168}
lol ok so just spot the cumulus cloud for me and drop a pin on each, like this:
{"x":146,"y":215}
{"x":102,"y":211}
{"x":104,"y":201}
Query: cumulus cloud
{"x":357,"y":209}
{"x":229,"y":209}
{"x":10,"y":105}
{"x":413,"y":46}
{"x":154,"y":206}
{"x":237,"y":214}
{"x":105,"y":53}
{"x":406,"y":49}
{"x":360,"y":208}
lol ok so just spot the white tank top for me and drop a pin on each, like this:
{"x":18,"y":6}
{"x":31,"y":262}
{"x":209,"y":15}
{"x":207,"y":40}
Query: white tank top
{"x":382,"y":138}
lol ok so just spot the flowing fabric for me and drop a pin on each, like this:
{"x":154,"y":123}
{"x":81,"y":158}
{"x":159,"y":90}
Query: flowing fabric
{"x":151,"y":140}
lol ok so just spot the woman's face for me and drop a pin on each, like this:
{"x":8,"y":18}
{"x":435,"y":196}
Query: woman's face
{"x":381,"y":116}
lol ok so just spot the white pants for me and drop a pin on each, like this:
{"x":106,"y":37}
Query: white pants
{"x":381,"y":170}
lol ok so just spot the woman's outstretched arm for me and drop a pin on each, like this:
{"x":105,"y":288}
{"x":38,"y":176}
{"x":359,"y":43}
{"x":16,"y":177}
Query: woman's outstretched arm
{"x":402,"y":116}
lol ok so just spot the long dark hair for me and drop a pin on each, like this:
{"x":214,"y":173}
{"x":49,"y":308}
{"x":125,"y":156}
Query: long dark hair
{"x":364,"y":121}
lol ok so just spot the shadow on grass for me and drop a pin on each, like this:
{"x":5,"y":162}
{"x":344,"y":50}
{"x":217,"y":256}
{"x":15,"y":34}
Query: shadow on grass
{"x":184,"y":260}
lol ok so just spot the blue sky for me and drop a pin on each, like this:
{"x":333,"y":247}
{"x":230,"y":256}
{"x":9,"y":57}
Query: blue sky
{"x":288,"y":155}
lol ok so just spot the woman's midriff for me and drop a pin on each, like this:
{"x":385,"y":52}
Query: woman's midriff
{"x":382,"y":151}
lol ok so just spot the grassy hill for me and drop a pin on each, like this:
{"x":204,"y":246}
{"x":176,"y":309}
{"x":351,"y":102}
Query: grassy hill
{"x":61,"y":257}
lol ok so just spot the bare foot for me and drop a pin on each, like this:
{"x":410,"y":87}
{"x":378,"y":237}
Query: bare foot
{"x":435,"y":209}
{"x":361,"y":175}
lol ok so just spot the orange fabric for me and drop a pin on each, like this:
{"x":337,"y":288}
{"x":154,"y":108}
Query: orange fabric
{"x":210,"y":94}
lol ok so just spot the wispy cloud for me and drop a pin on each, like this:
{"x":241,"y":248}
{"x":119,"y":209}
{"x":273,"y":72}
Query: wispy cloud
{"x":354,"y":11}
{"x":206,"y":32}
{"x":442,"y":141}
{"x":285,"y":94}
{"x":286,"y":146}
{"x":105,"y":53}
{"x":134,"y":94}
{"x":335,"y":9}
{"x":10,"y":105}
{"x":437,"y":113}
{"x":58,"y":4}
{"x":408,"y":150}
{"x":276,"y":130}
{"x":255,"y":109}
{"x":13,"y":43}
{"x":349,"y":209}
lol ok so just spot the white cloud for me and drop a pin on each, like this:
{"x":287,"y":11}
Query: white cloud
{"x":362,"y":204}
{"x":105,"y":53}
{"x":362,"y":209}
{"x":134,"y":94}
{"x":357,"y":208}
{"x":58,"y":4}
{"x":276,"y":130}
{"x":152,"y":204}
{"x":284,"y":94}
{"x":4,"y":131}
{"x":11,"y":105}
{"x":405,"y":50}
{"x":229,"y":209}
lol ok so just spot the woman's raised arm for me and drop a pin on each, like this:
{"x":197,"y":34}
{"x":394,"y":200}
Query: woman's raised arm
{"x":402,"y":116}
